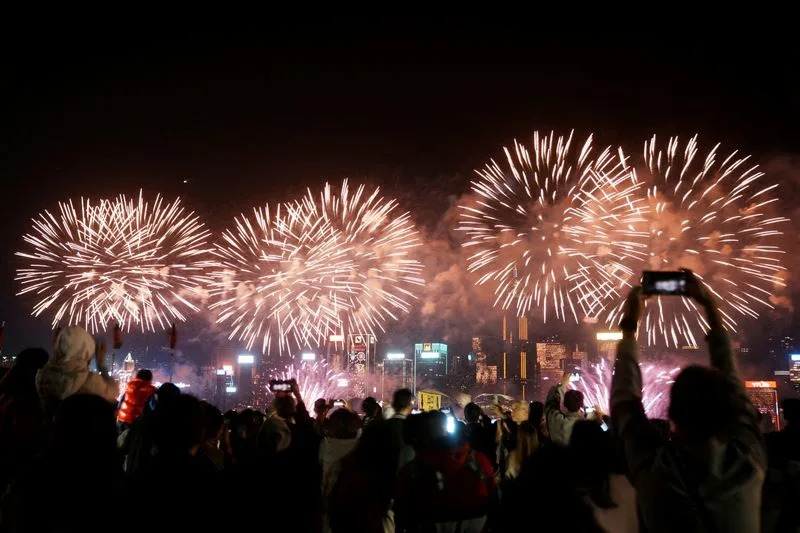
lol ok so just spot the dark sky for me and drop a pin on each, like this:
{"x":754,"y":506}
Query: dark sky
{"x":255,"y":113}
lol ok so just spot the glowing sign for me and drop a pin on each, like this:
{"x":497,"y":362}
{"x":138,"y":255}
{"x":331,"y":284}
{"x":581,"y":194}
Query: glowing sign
{"x":609,"y":335}
{"x":246,"y":359}
{"x":308,"y":356}
{"x":761,"y":384}
{"x":230,"y":390}
{"x":429,"y":355}
{"x":795,"y":357}
{"x":336,"y":338}
{"x":220,"y":371}
{"x":394,"y":356}
{"x":228,"y":369}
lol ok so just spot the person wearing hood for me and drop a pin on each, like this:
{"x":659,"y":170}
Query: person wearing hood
{"x":447,"y":486}
{"x":67,"y":372}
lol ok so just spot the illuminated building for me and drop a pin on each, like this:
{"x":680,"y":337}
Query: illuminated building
{"x":607,"y":344}
{"x":396,"y":372}
{"x":430,"y":364}
{"x":764,"y":396}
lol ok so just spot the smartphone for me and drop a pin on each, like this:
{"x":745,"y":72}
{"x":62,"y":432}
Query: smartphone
{"x":338,"y":403}
{"x":575,"y":376}
{"x":604,"y":426}
{"x":446,"y":410}
{"x":280,"y":386}
{"x":450,"y":424}
{"x":588,"y":410}
{"x":665,"y":283}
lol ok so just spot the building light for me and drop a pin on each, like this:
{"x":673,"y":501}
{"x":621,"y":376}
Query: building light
{"x":220,"y":371}
{"x":795,"y":357}
{"x":336,"y":338}
{"x":246,"y":359}
{"x":761,"y":384}
{"x":228,"y":369}
{"x":429,"y":355}
{"x":394,"y":356}
{"x":342,"y":382}
{"x":609,"y":335}
{"x":309,"y":356}
{"x":230,"y":389}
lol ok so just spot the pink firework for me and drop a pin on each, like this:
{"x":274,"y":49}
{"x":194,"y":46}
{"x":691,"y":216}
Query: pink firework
{"x":316,"y":380}
{"x":657,"y":379}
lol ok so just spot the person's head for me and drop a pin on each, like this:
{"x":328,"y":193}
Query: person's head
{"x":573,"y":400}
{"x":343,"y":424}
{"x":85,"y":430}
{"x":166,"y":393}
{"x":472,"y":413}
{"x":285,"y":406}
{"x":791,"y":412}
{"x":519,"y":411}
{"x":320,"y":407}
{"x":527,"y":439}
{"x":178,"y":427}
{"x":700,"y":404}
{"x":145,"y":375}
{"x":402,"y":401}
{"x":73,"y":349}
{"x":213,"y":422}
{"x":536,"y":413}
{"x":370,"y":407}
{"x":21,"y":378}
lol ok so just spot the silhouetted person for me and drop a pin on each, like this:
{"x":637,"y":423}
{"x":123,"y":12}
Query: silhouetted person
{"x":76,"y":486}
{"x":21,"y":422}
{"x":137,"y":441}
{"x":709,"y":477}
{"x":372,"y":410}
{"x":780,"y":511}
{"x":480,"y":433}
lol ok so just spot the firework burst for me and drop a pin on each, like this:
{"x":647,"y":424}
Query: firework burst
{"x":708,"y":212}
{"x":316,"y":267}
{"x":656,"y":382}
{"x":554,"y":228}
{"x":315,"y":380}
{"x":122,"y":260}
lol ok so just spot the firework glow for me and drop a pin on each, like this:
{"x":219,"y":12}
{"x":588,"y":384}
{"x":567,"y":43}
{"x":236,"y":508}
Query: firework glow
{"x":708,"y":212}
{"x":315,"y":380}
{"x":316,"y":267}
{"x":595,"y":384}
{"x":554,"y":230}
{"x":123,"y":261}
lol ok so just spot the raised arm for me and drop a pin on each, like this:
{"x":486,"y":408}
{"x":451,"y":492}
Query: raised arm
{"x":626,"y":383}
{"x":556,"y":419}
{"x":745,"y":429}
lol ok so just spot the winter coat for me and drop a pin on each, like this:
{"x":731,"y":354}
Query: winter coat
{"x":67,"y":371}
{"x":133,"y":402}
{"x":559,"y":423}
{"x":708,"y":486}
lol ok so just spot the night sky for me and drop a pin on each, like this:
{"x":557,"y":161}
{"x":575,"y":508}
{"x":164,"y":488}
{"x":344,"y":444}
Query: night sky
{"x":251,"y":114}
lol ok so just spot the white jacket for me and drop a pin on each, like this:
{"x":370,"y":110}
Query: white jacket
{"x":67,"y":371}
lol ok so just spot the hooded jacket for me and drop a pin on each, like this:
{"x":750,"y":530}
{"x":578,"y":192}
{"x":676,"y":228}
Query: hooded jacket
{"x":67,"y":371}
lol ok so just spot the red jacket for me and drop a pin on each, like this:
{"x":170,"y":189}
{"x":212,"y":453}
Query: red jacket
{"x":134,"y":400}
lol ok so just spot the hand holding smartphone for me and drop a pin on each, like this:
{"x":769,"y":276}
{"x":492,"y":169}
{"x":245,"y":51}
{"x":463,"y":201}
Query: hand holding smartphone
{"x":659,"y":283}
